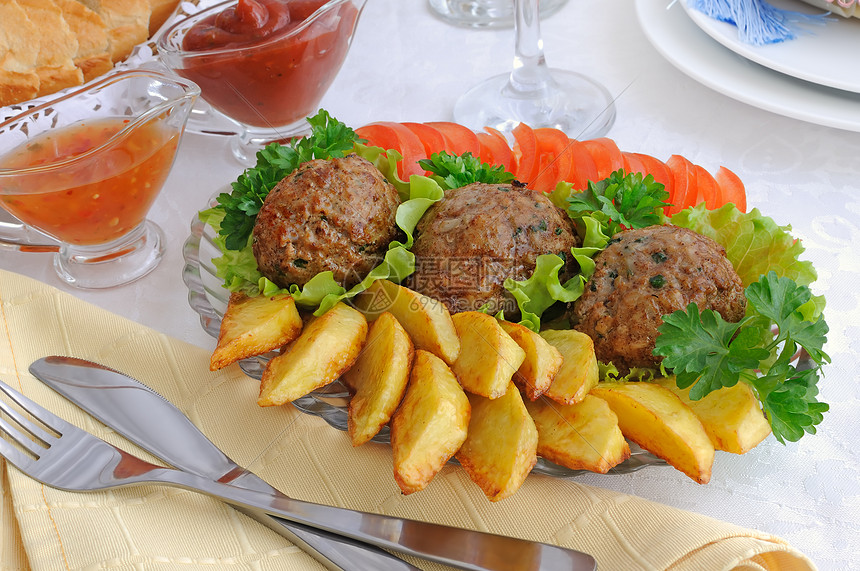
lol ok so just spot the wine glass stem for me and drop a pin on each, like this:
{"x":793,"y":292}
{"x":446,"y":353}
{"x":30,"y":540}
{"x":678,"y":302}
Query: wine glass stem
{"x":530,"y":74}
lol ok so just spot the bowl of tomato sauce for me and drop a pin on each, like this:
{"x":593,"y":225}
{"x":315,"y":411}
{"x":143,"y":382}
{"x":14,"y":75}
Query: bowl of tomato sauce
{"x":265,"y":64}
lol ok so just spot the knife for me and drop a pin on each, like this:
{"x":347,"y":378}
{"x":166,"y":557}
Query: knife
{"x":149,"y":420}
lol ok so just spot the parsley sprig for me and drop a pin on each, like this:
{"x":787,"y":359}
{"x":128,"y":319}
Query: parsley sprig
{"x":328,"y":138}
{"x":707,"y":353}
{"x":454,"y":171}
{"x":620,"y":201}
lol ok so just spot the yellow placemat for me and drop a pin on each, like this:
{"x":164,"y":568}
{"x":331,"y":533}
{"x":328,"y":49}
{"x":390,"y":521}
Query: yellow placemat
{"x":157,"y":527}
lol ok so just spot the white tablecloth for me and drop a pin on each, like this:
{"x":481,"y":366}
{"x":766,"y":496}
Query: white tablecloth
{"x":405,"y":65}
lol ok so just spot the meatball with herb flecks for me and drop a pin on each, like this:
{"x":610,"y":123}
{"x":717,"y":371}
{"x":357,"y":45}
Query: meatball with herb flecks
{"x":333,"y":215}
{"x":644,"y":274}
{"x":479,"y":235}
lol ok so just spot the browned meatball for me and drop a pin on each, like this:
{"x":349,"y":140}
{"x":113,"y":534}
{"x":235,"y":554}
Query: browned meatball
{"x":335,"y":214}
{"x":469,"y":242}
{"x":647,"y":273}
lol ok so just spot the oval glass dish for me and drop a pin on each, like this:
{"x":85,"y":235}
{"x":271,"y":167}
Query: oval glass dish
{"x":209,"y":299}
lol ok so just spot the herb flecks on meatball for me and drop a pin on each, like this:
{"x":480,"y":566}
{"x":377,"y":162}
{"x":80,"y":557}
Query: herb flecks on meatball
{"x":333,"y":215}
{"x":478,"y":235}
{"x":644,"y":274}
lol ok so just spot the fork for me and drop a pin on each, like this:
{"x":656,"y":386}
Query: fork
{"x":63,"y":456}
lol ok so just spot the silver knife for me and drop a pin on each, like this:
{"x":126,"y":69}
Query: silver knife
{"x":153,"y":423}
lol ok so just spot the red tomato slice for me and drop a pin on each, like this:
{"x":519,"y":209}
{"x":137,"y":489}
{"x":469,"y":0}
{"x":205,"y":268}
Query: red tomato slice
{"x":391,"y":135}
{"x":525,"y":153}
{"x":462,"y":139}
{"x":707,"y":189}
{"x":494,"y":144}
{"x":582,"y":168}
{"x":554,"y":160}
{"x":684,"y":177}
{"x":659,"y":171}
{"x":732,"y":189}
{"x":633,"y":164}
{"x":432,"y":139}
{"x":606,"y":154}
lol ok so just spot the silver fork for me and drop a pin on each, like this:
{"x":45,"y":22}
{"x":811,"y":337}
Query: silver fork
{"x":63,"y":456}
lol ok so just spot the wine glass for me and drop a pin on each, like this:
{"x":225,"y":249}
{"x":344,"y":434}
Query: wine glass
{"x":535,"y":94}
{"x":485,"y":13}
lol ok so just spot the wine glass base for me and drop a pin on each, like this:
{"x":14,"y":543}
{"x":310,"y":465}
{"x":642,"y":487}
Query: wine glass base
{"x":572,"y":102}
{"x":115,"y":264}
{"x":485,"y":13}
{"x":246,"y":144}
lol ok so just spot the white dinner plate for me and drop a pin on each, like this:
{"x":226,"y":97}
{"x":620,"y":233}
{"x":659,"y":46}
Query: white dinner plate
{"x":827,"y":53}
{"x":681,"y":42}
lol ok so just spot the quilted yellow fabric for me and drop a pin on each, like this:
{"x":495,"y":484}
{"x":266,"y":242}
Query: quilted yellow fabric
{"x":164,"y":528}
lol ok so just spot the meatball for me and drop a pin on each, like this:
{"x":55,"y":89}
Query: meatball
{"x":477,"y":236}
{"x":329,"y":215}
{"x":644,"y":274}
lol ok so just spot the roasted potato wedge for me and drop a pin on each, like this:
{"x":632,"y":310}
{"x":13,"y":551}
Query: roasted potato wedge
{"x":430,"y":424}
{"x":378,"y":378}
{"x":541,"y":364}
{"x":488,"y":356}
{"x":732,"y":416}
{"x":328,"y":346}
{"x":426,"y":320}
{"x":581,"y":436}
{"x":253,"y":326}
{"x":501,"y":447}
{"x":656,"y":419}
{"x":578,"y":373}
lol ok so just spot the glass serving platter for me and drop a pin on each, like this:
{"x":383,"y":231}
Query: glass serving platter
{"x":209,"y":299}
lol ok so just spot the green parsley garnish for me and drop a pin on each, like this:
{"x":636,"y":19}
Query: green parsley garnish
{"x":454,"y":171}
{"x":707,"y":353}
{"x":329,"y":138}
{"x":620,"y":201}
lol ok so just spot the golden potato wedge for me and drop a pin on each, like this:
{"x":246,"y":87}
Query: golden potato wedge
{"x":253,"y":326}
{"x":542,"y":360}
{"x":430,"y":424}
{"x":732,"y":416}
{"x":501,"y":447}
{"x":426,"y":320}
{"x":488,"y":356}
{"x":581,"y":436}
{"x":378,"y":378}
{"x":655,"y":419}
{"x":578,"y":373}
{"x":328,"y":346}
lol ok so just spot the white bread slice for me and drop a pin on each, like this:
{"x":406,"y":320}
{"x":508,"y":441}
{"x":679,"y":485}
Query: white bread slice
{"x":18,"y":79}
{"x":160,"y":11}
{"x":127,"y":22}
{"x":57,"y":46}
{"x":93,"y":55}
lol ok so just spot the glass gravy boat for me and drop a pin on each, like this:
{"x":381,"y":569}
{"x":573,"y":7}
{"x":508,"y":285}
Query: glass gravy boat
{"x":268,"y":84}
{"x":84,"y":170}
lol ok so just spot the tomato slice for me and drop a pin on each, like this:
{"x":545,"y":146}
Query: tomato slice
{"x":432,"y":139}
{"x":391,"y":135}
{"x":606,"y":154}
{"x":684,"y":177}
{"x":554,"y":160}
{"x":461,"y":138}
{"x":496,"y":148}
{"x":658,"y":169}
{"x":633,"y":164}
{"x":732,"y":188}
{"x":525,"y":153}
{"x":707,"y":189}
{"x":582,"y":168}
